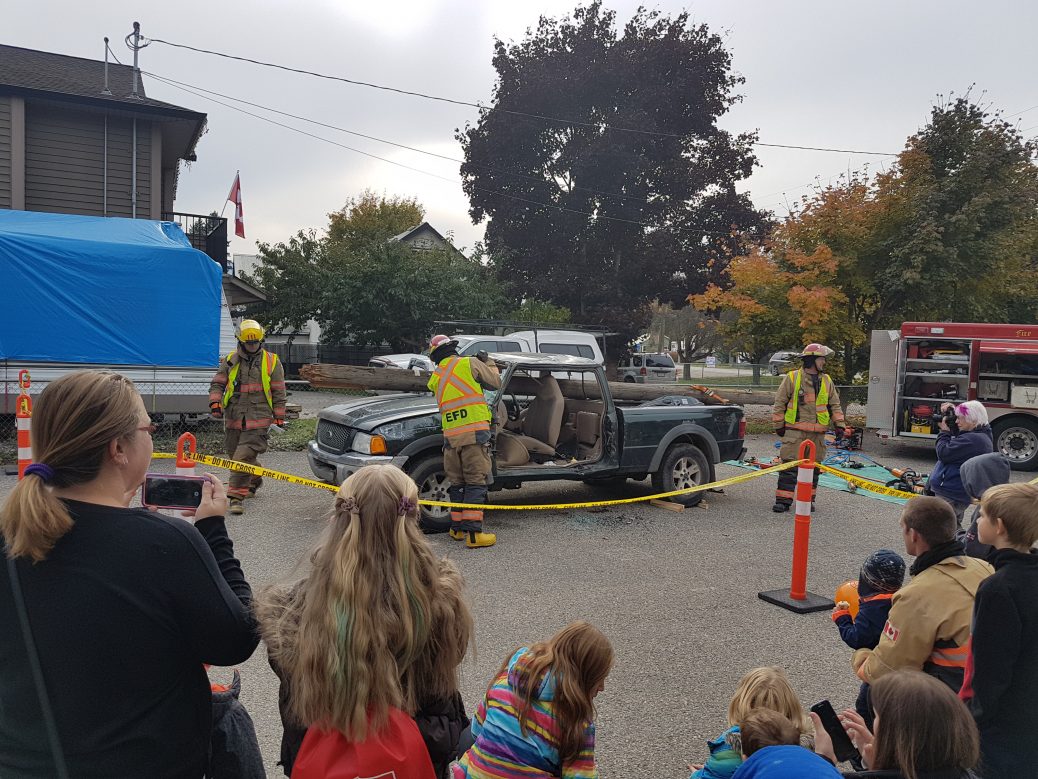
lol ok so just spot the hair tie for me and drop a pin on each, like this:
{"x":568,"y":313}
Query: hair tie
{"x":45,"y":472}
{"x":406,"y":506}
{"x":349,"y":503}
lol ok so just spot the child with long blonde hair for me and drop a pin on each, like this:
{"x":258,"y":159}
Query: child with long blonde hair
{"x":378,"y":623}
{"x":761,"y":688}
{"x":537,"y":718}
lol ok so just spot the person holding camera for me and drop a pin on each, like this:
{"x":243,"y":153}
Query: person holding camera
{"x":465,"y":417}
{"x":109,"y":613}
{"x":964,"y":433}
{"x":922,"y":731}
{"x":806,"y":404}
{"x":248,"y":393}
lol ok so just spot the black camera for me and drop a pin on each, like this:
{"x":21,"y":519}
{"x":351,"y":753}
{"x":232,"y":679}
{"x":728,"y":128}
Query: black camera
{"x":949,"y":419}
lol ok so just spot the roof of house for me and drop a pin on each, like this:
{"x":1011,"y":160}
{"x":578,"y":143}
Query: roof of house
{"x":61,"y":77}
{"x":408,"y":233}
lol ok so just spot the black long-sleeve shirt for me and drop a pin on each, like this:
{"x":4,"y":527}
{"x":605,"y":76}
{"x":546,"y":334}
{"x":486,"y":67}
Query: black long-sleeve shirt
{"x":1003,"y":690}
{"x":125,"y":610}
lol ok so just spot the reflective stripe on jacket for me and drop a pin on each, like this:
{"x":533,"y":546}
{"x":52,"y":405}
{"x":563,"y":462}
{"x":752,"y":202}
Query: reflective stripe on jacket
{"x":463,"y":409}
{"x":267,"y":365}
{"x":826,"y":404}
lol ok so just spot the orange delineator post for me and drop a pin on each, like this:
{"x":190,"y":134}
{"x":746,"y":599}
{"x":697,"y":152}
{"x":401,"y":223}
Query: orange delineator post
{"x":797,"y":598}
{"x":187,"y":446}
{"x":23,"y":417}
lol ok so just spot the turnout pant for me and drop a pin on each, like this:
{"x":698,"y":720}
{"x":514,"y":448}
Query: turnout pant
{"x":244,"y":446}
{"x":468,"y":470}
{"x":787,"y":479}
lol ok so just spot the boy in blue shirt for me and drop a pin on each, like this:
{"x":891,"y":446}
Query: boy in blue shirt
{"x":882,"y":574}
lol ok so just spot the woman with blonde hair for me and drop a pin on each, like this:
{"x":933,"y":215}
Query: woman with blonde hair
{"x":110,"y":612}
{"x":768,"y":688}
{"x":969,"y":435}
{"x":537,"y":718}
{"x":378,"y":623}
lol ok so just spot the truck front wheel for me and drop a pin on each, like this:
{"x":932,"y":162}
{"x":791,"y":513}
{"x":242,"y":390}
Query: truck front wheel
{"x":1016,"y":438}
{"x":683,"y":466}
{"x":432,"y":483}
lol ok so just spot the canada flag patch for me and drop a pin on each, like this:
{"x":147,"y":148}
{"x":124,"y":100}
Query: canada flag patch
{"x":891,"y":632}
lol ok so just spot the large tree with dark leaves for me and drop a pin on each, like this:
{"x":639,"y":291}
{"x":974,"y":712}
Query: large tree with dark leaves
{"x":600,"y":168}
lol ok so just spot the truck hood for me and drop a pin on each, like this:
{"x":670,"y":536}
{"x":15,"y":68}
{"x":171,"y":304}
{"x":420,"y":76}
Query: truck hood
{"x":368,"y":413}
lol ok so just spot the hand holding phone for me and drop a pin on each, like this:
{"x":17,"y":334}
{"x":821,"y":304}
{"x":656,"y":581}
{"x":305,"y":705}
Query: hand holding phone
{"x":843,"y":748}
{"x":196,"y":496}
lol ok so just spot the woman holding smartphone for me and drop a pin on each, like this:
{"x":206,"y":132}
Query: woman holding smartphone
{"x":110,"y":612}
{"x":921,"y":731}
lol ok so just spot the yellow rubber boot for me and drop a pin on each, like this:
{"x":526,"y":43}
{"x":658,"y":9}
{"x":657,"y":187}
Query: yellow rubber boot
{"x":458,"y":535}
{"x":478,"y":540}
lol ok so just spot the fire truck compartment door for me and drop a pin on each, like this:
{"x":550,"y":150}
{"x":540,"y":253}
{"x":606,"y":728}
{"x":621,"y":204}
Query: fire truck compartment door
{"x":1007,"y":347}
{"x":883,"y":381}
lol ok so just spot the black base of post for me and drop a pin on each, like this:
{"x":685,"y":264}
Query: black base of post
{"x":808,"y":605}
{"x":10,"y":470}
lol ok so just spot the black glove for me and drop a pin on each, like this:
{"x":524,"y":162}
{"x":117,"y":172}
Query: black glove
{"x":216,"y":410}
{"x":780,"y":431}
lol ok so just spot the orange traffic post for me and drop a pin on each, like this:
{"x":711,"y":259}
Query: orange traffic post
{"x":23,"y":418}
{"x":797,"y":598}
{"x":187,"y":448}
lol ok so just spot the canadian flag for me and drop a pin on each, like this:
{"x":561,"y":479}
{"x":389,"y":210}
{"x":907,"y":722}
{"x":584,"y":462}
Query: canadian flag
{"x":235,"y":197}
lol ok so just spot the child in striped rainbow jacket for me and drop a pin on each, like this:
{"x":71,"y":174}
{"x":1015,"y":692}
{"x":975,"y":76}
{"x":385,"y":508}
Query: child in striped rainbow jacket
{"x":537,"y":717}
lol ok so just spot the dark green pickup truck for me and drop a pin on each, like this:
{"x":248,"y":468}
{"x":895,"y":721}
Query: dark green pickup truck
{"x":554,"y":418}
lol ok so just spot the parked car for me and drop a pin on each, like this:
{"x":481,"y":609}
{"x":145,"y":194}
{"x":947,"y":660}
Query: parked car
{"x":543,"y":429}
{"x":648,"y":368}
{"x":780,"y":362}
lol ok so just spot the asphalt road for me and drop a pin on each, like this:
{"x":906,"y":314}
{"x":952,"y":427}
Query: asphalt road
{"x":675,"y":592}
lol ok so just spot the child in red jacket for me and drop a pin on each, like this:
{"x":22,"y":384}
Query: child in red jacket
{"x":882,"y":574}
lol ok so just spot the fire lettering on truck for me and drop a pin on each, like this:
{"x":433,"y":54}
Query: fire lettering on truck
{"x":1023,"y":333}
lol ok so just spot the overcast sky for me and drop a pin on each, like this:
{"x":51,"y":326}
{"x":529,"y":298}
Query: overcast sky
{"x":835,"y":74}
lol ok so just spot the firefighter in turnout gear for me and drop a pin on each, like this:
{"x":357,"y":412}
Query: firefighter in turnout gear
{"x":805,"y":405}
{"x":465,"y":417}
{"x":248,"y":393}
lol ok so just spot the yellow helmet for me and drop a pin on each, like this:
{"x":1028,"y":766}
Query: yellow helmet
{"x":250,"y":330}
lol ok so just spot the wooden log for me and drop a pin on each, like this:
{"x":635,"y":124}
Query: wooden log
{"x":326,"y":375}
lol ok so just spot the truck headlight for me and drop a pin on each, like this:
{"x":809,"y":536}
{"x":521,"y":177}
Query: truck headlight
{"x":369,"y":444}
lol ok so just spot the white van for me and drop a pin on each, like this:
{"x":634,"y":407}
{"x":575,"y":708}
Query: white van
{"x":572,"y":342}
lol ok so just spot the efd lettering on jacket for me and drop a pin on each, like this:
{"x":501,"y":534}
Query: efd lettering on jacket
{"x":452,"y":416}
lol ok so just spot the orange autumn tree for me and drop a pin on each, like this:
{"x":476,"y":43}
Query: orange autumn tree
{"x":809,"y":282}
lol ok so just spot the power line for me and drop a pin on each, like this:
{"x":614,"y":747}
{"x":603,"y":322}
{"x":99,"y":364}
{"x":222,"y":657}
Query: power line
{"x":176,"y":85}
{"x":1010,"y":116}
{"x":482,"y":107}
{"x":402,"y":165}
{"x":174,"y":82}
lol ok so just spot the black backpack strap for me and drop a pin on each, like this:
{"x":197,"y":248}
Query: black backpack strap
{"x":61,"y":771}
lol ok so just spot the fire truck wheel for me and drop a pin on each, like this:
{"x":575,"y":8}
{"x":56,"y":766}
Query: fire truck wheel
{"x":1016,"y":438}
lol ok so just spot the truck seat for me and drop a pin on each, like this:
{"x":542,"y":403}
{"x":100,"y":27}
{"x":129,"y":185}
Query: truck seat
{"x":588,"y":427}
{"x":543,"y":421}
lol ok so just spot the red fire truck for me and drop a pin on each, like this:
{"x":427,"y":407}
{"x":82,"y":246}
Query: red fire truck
{"x":914,"y":370}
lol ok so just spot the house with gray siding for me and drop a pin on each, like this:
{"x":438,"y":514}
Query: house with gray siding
{"x":74,"y":139}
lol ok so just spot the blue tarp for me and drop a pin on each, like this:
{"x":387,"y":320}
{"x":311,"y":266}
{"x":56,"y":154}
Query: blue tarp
{"x":86,"y":289}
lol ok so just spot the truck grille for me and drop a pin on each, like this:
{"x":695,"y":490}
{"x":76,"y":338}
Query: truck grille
{"x":333,"y":437}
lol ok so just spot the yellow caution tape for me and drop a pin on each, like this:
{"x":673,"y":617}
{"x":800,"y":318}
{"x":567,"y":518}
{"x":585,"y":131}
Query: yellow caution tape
{"x":255,"y":470}
{"x":869,"y":486}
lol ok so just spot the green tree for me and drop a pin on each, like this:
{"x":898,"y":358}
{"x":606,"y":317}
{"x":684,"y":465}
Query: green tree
{"x":627,"y":216}
{"x":289,"y":273}
{"x":539,"y":312}
{"x":958,"y":210}
{"x":370,"y":218}
{"x":390,"y":292}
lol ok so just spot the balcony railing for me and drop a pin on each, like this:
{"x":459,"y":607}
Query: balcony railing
{"x":206,"y":233}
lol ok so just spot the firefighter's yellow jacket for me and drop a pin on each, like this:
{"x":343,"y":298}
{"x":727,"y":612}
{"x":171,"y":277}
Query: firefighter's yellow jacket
{"x":257,"y":397}
{"x":810,"y":407}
